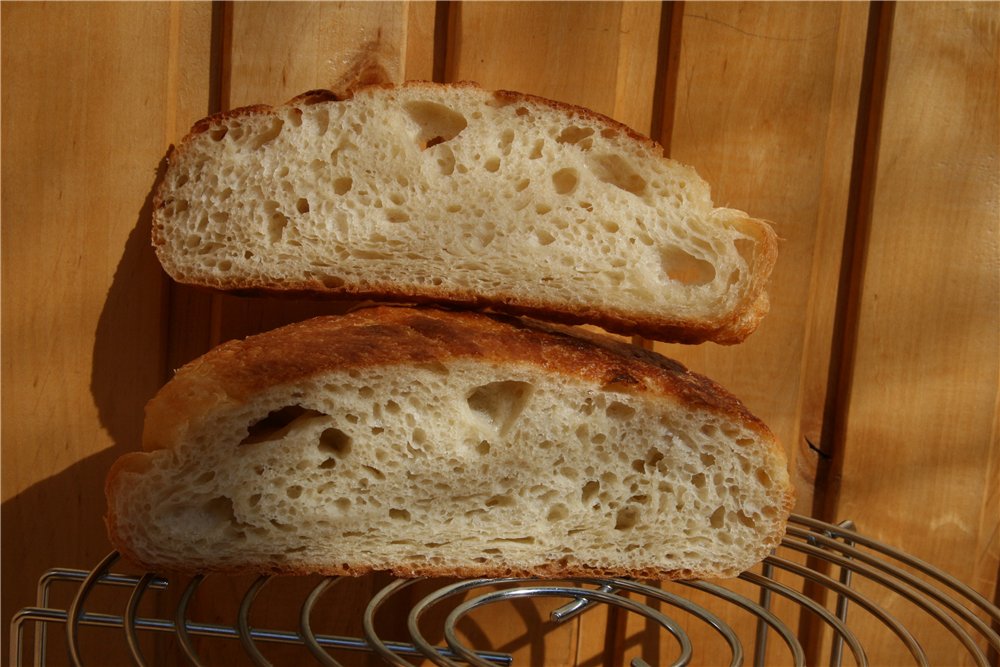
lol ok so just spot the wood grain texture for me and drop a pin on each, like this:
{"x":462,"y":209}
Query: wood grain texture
{"x":764,"y":107}
{"x":90,"y":94}
{"x":608,"y":65}
{"x":919,"y":460}
{"x":764,"y":99}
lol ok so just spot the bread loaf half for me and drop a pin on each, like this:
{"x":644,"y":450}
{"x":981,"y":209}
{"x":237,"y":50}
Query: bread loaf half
{"x":454,"y":194}
{"x":427,"y":442}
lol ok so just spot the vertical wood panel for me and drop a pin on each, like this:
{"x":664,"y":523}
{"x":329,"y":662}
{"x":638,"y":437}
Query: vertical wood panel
{"x":919,"y":464}
{"x":90,"y":93}
{"x":765,"y":108}
{"x":599,"y":55}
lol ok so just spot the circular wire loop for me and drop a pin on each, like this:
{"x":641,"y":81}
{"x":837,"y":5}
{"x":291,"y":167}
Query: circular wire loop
{"x":131,"y":609}
{"x":952,"y":604}
{"x":243,"y":622}
{"x":75,"y":610}
{"x":181,"y":621}
{"x":305,"y":628}
{"x":561,"y":591}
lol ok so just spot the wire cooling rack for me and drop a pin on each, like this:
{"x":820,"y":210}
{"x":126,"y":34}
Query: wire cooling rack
{"x":828,"y":595}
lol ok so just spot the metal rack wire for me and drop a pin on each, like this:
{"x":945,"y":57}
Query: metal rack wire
{"x":827,"y":573}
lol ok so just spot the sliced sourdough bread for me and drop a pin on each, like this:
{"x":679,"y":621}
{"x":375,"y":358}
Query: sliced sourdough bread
{"x":429,"y":442}
{"x":428,"y":193}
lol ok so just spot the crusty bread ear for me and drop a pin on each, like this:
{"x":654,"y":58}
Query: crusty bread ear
{"x":453,"y":194}
{"x":443,"y":443}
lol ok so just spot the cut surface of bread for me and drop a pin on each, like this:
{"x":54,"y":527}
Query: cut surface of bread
{"x":454,"y":194}
{"x":427,"y":442}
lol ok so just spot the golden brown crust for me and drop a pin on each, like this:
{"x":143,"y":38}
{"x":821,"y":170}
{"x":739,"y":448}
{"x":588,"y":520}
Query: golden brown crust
{"x":386,"y":336}
{"x":553,"y":570}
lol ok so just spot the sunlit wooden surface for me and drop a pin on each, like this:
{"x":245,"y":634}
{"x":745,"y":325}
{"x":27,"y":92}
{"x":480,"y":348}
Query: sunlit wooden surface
{"x":868,"y":135}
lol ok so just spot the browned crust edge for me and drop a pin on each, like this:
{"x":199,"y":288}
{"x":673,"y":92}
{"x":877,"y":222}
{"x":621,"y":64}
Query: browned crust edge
{"x":379,"y":335}
{"x":732,"y":331}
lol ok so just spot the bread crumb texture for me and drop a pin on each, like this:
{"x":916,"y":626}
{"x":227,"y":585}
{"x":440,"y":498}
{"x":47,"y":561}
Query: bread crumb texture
{"x":475,"y":464}
{"x":454,"y":193}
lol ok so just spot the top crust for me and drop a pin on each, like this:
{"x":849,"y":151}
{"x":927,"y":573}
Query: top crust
{"x":389,"y":336}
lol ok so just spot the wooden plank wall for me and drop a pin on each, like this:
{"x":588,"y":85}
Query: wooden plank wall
{"x":868,"y":134}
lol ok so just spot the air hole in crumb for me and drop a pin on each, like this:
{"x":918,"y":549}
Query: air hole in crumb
{"x":619,"y":411}
{"x":683,"y":267}
{"x":500,"y":501}
{"x":590,"y":491}
{"x":436,"y":123}
{"x":522,"y":184}
{"x":276,"y":226}
{"x":536,"y":150}
{"x":269,"y":134}
{"x":321,"y":115}
{"x":500,"y":403}
{"x":483,"y":448}
{"x":544,"y":237}
{"x":626,"y":518}
{"x":343,"y":185}
{"x":446,"y":161}
{"x":302,"y":205}
{"x":218,"y":133}
{"x":506,"y":139}
{"x":580,"y":136}
{"x":718,"y":518}
{"x":278,"y":423}
{"x":220,"y":509}
{"x":616,"y":171}
{"x":565,"y":180}
{"x":293,"y":491}
{"x":764,"y":478}
{"x":399,"y":514}
{"x":492,"y":165}
{"x":205,"y":477}
{"x":558,"y":512}
{"x":397,"y":215}
{"x":334,"y":441}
